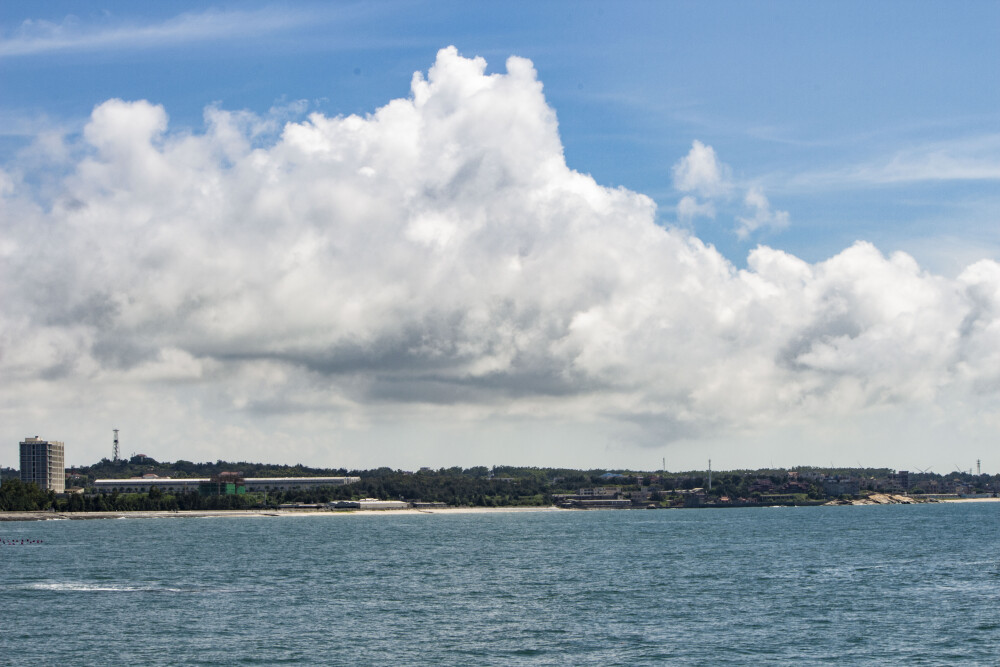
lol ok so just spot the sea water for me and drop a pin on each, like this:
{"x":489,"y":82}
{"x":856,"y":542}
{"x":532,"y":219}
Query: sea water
{"x":835,"y":585}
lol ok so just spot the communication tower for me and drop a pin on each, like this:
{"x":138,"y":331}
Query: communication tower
{"x":978,"y":469}
{"x":114,"y":452}
{"x":710,"y":474}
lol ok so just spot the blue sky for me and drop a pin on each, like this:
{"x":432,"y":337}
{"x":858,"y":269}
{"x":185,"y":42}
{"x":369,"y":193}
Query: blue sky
{"x":821,"y":124}
{"x":814,"y":101}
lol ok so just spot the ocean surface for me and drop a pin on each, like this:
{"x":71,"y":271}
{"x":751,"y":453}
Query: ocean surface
{"x":915,"y":585}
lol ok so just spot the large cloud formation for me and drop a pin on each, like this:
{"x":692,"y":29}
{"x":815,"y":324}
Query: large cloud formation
{"x":440,"y":254}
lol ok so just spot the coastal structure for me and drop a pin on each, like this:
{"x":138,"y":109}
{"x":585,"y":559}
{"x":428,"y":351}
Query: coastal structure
{"x":601,"y":496}
{"x":837,"y":485}
{"x":224,"y":484}
{"x":196,"y":484}
{"x":369,"y":504}
{"x":43,"y":462}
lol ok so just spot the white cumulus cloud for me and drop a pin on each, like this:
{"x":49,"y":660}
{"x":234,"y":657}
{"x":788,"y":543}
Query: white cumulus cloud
{"x":438,"y":262}
{"x":760,"y":214}
{"x":701,"y":173}
{"x":689,"y":208}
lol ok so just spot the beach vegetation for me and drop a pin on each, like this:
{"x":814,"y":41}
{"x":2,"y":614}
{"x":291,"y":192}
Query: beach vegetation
{"x":16,"y":496}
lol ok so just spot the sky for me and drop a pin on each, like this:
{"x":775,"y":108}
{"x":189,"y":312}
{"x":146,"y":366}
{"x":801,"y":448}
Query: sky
{"x":578,"y":234}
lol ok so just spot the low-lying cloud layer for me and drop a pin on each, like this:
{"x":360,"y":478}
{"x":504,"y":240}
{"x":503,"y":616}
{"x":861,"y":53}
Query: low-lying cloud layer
{"x":440,"y":256}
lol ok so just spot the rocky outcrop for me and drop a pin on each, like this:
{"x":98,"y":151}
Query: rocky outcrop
{"x":879,"y":499}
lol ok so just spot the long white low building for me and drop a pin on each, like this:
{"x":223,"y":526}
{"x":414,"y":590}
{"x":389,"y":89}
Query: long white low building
{"x":369,"y":504}
{"x":185,"y":485}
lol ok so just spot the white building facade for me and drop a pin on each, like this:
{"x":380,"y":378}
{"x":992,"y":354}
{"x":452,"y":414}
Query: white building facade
{"x":185,"y":485}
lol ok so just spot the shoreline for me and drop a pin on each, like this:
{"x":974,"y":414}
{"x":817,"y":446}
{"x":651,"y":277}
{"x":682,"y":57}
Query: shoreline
{"x":220,"y":514}
{"x":968,"y":500}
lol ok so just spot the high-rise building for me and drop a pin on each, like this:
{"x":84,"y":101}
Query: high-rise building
{"x":43,"y":462}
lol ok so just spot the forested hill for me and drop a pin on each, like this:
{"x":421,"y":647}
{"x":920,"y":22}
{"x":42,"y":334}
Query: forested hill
{"x":140,"y":465}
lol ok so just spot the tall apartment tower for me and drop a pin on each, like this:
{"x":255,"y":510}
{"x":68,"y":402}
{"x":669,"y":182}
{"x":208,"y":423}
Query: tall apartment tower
{"x":43,"y":462}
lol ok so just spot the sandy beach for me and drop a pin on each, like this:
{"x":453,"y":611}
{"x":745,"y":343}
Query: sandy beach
{"x":968,"y":500}
{"x":300,"y":513}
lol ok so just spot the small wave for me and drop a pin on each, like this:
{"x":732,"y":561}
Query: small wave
{"x":84,"y":587}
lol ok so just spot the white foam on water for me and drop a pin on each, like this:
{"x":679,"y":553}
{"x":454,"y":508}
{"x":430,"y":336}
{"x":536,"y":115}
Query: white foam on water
{"x":85,"y":587}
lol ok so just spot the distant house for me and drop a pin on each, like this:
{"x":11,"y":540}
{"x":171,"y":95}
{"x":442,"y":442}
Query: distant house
{"x":600,"y":491}
{"x":641,"y":496}
{"x":839,"y":486}
{"x":796,"y":487}
{"x":369,"y":504}
{"x":595,"y":503}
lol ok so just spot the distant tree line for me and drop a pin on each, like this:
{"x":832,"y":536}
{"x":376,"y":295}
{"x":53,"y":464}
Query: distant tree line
{"x":477,"y":486}
{"x":138,"y":465}
{"x":17,"y":496}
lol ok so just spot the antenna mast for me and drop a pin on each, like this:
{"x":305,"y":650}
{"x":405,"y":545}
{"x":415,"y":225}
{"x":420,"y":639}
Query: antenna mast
{"x":114,"y":452}
{"x":978,"y":470}
{"x":710,"y":474}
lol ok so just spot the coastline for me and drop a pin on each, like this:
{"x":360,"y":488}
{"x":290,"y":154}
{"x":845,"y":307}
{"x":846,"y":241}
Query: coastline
{"x":968,"y":500}
{"x":301,"y":513}
{"x":219,"y":514}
